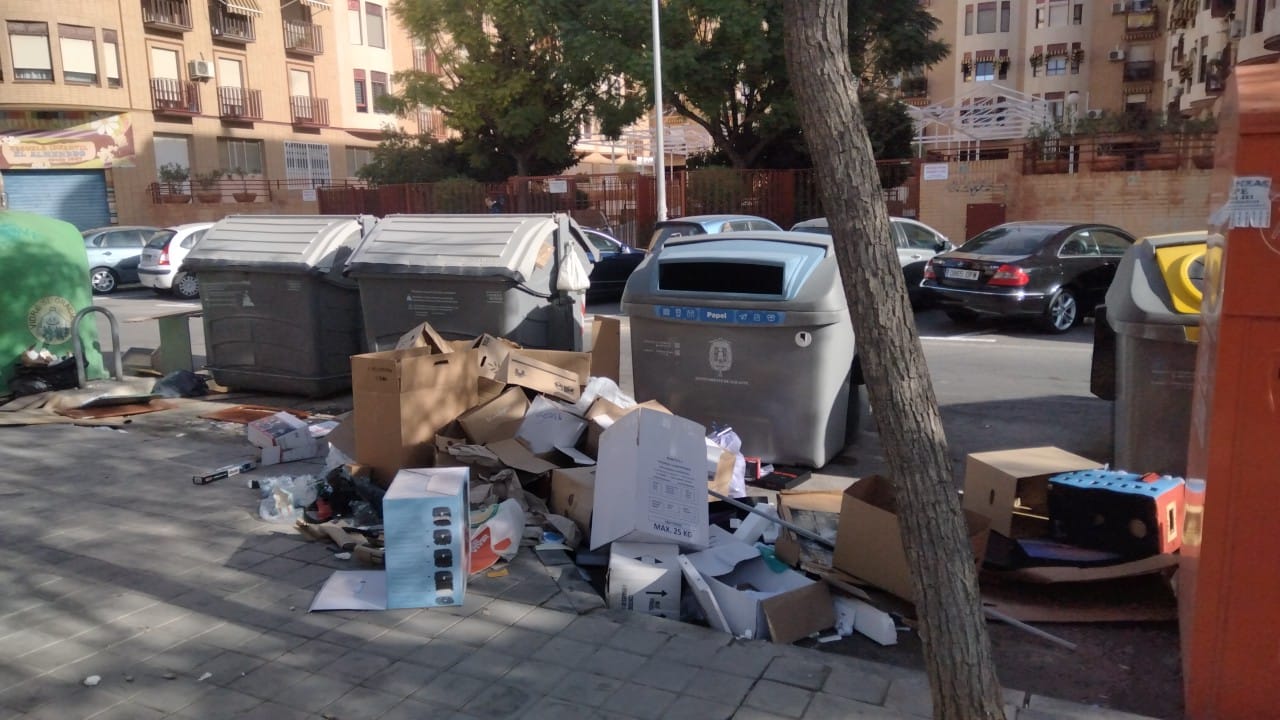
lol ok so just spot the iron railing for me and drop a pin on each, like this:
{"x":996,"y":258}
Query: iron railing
{"x":309,"y":111}
{"x":175,"y":97}
{"x":167,"y":14}
{"x":229,"y":26}
{"x":303,"y":38}
{"x":1140,"y":71}
{"x":237,"y":103}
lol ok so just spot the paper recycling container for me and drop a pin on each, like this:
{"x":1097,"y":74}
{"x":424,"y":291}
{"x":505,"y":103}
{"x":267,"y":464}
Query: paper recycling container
{"x":521,"y":277}
{"x":750,"y":330}
{"x":1153,"y":306}
{"x":278,"y":314}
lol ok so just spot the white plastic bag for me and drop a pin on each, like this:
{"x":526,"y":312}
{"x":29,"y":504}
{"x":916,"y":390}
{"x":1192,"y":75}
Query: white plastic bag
{"x":495,"y":534}
{"x":729,"y":441}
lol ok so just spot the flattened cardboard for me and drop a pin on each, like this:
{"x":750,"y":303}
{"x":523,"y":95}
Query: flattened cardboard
{"x":869,"y":540}
{"x":644,"y":578}
{"x":1048,"y":575}
{"x":517,"y":457}
{"x":497,"y":419}
{"x":549,"y":425}
{"x":799,"y":613}
{"x":403,"y":397}
{"x":343,"y":437}
{"x":606,"y":347}
{"x":573,"y":492}
{"x":1007,"y":486}
{"x":424,"y":336}
{"x":1147,"y":598}
{"x":519,"y":369}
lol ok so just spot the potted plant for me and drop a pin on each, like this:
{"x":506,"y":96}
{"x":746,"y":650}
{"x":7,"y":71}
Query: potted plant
{"x":1037,"y":60}
{"x":244,"y":196}
{"x":966,"y":69}
{"x":1203,"y":160}
{"x":1002,"y":65}
{"x":1161,"y":160}
{"x":1077,"y":57}
{"x":1108,"y":162}
{"x":174,"y":176}
{"x":208,"y":183}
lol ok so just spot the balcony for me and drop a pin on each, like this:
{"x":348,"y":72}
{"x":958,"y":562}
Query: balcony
{"x":1139,"y":71}
{"x":1141,"y":25}
{"x":237,"y":103}
{"x":231,"y":22}
{"x":175,"y":97}
{"x":303,"y":38}
{"x":166,"y":15}
{"x":915,"y":87}
{"x":309,"y":111}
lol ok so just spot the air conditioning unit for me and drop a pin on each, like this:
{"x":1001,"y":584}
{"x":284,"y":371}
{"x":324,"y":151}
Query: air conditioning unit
{"x":1117,"y":8}
{"x":200,"y":69}
{"x":1237,"y":29}
{"x":1094,"y":114}
{"x":1115,"y":55}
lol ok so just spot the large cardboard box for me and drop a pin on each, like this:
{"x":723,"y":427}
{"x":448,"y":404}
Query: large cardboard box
{"x":606,"y":347}
{"x":651,"y":482}
{"x":602,"y":414}
{"x":401,"y":398}
{"x":1011,"y":487}
{"x":426,"y":523}
{"x":578,"y":363}
{"x":424,"y":336}
{"x":573,"y":492}
{"x":497,"y":419}
{"x":549,"y":425}
{"x":644,"y":578}
{"x":869,"y":539}
{"x":520,"y":369}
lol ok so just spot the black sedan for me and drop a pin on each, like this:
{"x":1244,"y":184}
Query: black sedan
{"x":1052,"y":272}
{"x":617,"y":260}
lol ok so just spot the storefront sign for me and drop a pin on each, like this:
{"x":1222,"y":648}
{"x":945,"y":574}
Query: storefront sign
{"x":102,"y":143}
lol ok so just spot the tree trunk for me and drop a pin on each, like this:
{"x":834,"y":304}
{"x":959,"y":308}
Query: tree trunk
{"x":957,"y":648}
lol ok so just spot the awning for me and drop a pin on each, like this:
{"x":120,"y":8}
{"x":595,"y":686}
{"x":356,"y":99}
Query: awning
{"x":317,"y":4}
{"x":248,"y":8}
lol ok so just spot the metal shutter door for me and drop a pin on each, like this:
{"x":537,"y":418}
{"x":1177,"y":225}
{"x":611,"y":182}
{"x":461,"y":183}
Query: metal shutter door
{"x":77,"y":196}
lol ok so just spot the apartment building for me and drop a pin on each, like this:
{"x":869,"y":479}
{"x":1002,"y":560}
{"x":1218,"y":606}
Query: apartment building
{"x":96,"y":96}
{"x":1018,"y":64}
{"x":1206,"y":39}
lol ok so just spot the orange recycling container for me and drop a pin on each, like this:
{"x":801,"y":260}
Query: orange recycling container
{"x":1229,"y":580}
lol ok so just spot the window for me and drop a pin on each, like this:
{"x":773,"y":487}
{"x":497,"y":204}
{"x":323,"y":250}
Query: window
{"x":1077,"y":14}
{"x":1057,"y":102}
{"x":111,"y":58}
{"x":377,"y":86}
{"x":306,"y":161}
{"x":164,"y":63}
{"x":1076,"y":51}
{"x":357,"y":158}
{"x":79,"y":54}
{"x":355,"y":22}
{"x":124,"y":239}
{"x":1055,"y":66}
{"x":373,"y":25}
{"x":1005,"y":12}
{"x":243,"y":154}
{"x":1111,"y":244}
{"x":984,"y":71}
{"x":918,"y":236}
{"x":968,"y":19}
{"x":1259,"y":15}
{"x":29,"y":43}
{"x":1002,"y":65}
{"x":362,"y":98}
{"x":1042,"y":16}
{"x":1058,"y":15}
{"x":986,"y":18}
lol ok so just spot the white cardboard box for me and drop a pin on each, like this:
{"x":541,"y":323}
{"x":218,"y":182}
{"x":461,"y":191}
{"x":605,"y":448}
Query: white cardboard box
{"x":549,"y":425}
{"x":644,"y":578}
{"x":283,"y":438}
{"x":651,"y":482}
{"x":426,"y":522}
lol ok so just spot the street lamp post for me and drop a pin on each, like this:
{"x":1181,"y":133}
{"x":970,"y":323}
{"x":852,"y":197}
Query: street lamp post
{"x":659,"y":171}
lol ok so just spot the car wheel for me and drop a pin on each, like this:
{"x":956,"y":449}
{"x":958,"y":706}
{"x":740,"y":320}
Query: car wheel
{"x":960,"y":315}
{"x":186,"y":286}
{"x":103,"y":280}
{"x":1062,"y":312}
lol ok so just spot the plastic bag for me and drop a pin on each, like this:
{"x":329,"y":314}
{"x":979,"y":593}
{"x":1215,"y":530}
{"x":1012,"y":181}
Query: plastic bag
{"x":282,"y":495}
{"x":729,"y":441}
{"x":602,"y":387}
{"x":181,"y":383}
{"x":495,"y":534}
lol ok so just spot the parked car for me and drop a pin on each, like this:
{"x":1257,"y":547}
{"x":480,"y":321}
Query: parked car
{"x":161,"y":266}
{"x":916,"y":243}
{"x":616,"y":261}
{"x":705,"y":225}
{"x":1053,"y":272}
{"x":114,"y":254}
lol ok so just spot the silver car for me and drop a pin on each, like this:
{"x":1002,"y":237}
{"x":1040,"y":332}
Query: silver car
{"x":916,"y":244}
{"x":161,"y":268}
{"x":706,"y":225}
{"x":114,"y":253}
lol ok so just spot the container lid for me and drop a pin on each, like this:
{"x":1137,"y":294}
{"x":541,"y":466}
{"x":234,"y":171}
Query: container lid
{"x":288,"y":243}
{"x":1155,"y":284}
{"x":509,"y":246}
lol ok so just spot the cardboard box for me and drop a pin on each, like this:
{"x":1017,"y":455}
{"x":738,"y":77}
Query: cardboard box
{"x":426,"y":522}
{"x":548,"y":426}
{"x":1011,"y":487}
{"x":497,"y":419}
{"x":578,"y":363}
{"x":869,"y":540}
{"x":817,"y":511}
{"x":644,"y":578}
{"x":1125,"y":513}
{"x":515,"y":455}
{"x":401,"y":398}
{"x":603,"y":414}
{"x":519,"y":369}
{"x":651,"y":481}
{"x":606,"y":347}
{"x":754,"y":600}
{"x":424,"y":336}
{"x":491,"y":353}
{"x":283,"y":438}
{"x":573,"y":493}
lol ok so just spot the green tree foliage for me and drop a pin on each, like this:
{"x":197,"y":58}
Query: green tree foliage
{"x":520,"y":77}
{"x":404,"y":158}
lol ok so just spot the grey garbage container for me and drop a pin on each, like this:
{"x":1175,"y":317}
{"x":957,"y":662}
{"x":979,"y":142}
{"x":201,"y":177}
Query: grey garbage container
{"x":750,"y":330}
{"x":522,"y":277}
{"x":278,"y":314}
{"x":1153,"y":307}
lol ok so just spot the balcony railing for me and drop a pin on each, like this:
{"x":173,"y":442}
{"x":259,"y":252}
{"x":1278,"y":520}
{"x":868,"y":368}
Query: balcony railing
{"x":309,"y":111}
{"x":229,"y":26}
{"x":303,"y":38}
{"x":237,"y":103}
{"x":1140,"y":71}
{"x":175,"y":97}
{"x":915,"y":87}
{"x":174,"y":15}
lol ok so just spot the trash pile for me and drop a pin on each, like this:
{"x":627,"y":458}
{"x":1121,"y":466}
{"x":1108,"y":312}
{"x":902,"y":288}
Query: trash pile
{"x":459,"y":455}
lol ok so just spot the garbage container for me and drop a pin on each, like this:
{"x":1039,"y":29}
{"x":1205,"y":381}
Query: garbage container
{"x":279,"y":316}
{"x":1153,"y":306}
{"x":45,"y":275}
{"x":521,"y":277}
{"x":750,"y":330}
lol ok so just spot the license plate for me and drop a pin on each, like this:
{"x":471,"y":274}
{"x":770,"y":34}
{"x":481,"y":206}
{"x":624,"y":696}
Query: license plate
{"x":959,"y":274}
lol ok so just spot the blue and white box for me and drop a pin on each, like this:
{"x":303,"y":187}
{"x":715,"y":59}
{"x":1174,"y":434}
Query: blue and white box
{"x":426,"y":524}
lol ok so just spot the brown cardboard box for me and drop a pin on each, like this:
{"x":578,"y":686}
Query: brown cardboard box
{"x":497,"y":419}
{"x":869,"y":540}
{"x":525,"y":371}
{"x":1011,"y":487}
{"x":424,"y":336}
{"x":401,"y":398}
{"x":573,"y":492}
{"x":517,"y":457}
{"x":789,"y":548}
{"x":491,"y":353}
{"x":602,"y":408}
{"x":606,"y":347}
{"x":578,"y":363}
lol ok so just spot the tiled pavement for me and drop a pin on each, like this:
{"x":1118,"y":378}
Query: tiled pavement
{"x":186,"y":605}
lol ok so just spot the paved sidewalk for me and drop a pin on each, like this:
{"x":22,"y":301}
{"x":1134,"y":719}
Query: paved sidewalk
{"x":188,"y":606}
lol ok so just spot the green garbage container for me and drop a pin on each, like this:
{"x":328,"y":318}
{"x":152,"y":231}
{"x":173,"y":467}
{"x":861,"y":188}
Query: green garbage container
{"x":44,"y":282}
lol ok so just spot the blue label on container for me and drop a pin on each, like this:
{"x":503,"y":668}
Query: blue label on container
{"x":722,"y":316}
